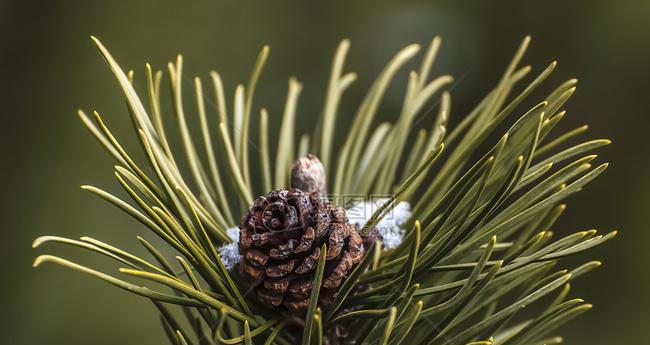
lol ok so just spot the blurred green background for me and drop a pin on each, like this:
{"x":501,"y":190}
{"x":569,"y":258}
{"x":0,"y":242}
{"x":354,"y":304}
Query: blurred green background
{"x":49,"y":68}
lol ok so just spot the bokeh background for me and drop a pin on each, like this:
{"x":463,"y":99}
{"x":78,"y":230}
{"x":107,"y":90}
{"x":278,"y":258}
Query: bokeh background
{"x":49,"y":68}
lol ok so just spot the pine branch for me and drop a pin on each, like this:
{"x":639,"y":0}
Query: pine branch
{"x":479,"y":244}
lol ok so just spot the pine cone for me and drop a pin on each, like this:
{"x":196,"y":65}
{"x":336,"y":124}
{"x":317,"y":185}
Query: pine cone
{"x":280,"y":241}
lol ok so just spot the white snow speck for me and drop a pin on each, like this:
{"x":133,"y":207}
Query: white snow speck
{"x":389,"y":227}
{"x":229,"y":253}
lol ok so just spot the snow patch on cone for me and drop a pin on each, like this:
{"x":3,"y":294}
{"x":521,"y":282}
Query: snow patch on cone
{"x":389,"y":227}
{"x":229,"y":253}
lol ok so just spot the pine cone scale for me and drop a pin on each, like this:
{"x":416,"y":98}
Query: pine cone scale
{"x":306,"y":241}
{"x":256,"y":257}
{"x":280,"y":270}
{"x":309,"y":263}
{"x":278,"y":286}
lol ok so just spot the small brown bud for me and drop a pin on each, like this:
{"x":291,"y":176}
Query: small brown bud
{"x":308,"y":175}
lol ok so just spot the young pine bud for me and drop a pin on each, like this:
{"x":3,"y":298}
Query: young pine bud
{"x":308,"y":175}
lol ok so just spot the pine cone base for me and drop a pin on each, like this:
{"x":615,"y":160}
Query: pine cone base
{"x":280,"y":242}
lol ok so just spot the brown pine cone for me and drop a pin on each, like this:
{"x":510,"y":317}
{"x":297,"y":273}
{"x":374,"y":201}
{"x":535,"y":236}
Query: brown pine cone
{"x":280,"y":240}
